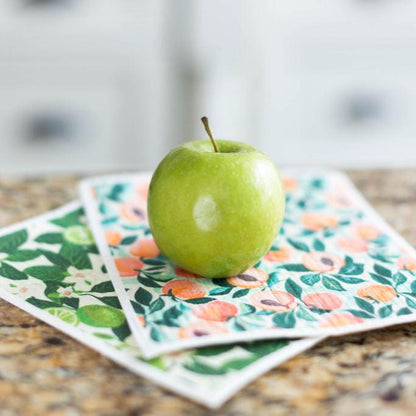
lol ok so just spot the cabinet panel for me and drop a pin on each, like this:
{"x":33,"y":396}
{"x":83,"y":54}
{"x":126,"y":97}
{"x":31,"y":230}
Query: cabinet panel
{"x":343,"y":117}
{"x":59,"y":127}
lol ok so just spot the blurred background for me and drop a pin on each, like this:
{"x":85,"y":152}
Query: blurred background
{"x":94,"y":85}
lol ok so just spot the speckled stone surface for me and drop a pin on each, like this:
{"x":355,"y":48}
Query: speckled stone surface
{"x":43,"y":372}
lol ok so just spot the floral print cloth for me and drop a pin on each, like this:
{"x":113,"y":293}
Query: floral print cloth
{"x":50,"y":267}
{"x":335,"y":268}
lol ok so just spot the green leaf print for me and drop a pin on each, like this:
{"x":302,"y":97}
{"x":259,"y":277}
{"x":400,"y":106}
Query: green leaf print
{"x":345,"y":222}
{"x":197,"y":301}
{"x":23,"y":255}
{"x":381,"y":240}
{"x":222,"y":282}
{"x":46,"y":272}
{"x":332,"y":284}
{"x":213,"y":350}
{"x":69,"y":220}
{"x":72,"y":302}
{"x":108,"y":221}
{"x":379,"y":269}
{"x":399,"y":279}
{"x":348,"y":260}
{"x":352,"y":269}
{"x":56,"y":259}
{"x":103,"y":287}
{"x":42,"y":304}
{"x":155,"y":334}
{"x":116,"y":192}
{"x":293,"y":288}
{"x":295,"y":268}
{"x":240,"y":293}
{"x":360,"y":313}
{"x":50,"y":238}
{"x":128,"y":240}
{"x":380,"y":279}
{"x":11,"y":273}
{"x":404,"y":311}
{"x":153,"y":262}
{"x":170,"y":316}
{"x":284,"y":320}
{"x":265,"y":347}
{"x":328,"y":233}
{"x":385,"y":311}
{"x":111,"y":301}
{"x":303,"y":313}
{"x":157,"y":305}
{"x":273,"y":279}
{"x":103,"y":336}
{"x":201,"y":368}
{"x":143,"y":297}
{"x":247,"y":309}
{"x":92,"y":249}
{"x":122,"y":331}
{"x":76,"y":255}
{"x":52,"y":287}
{"x":380,"y":257}
{"x":157,"y":362}
{"x":363,"y":304}
{"x":146,"y":281}
{"x":219,"y":291}
{"x":298,"y":245}
{"x":10,"y":242}
{"x":318,"y":245}
{"x":310,"y":279}
{"x":137,"y":308}
{"x":411,"y":303}
{"x":318,"y":183}
{"x":238,"y":363}
{"x":348,"y":280}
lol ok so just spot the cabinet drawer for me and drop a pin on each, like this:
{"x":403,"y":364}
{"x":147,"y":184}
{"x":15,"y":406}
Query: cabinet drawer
{"x":343,"y":117}
{"x":340,"y":104}
{"x":58,"y":128}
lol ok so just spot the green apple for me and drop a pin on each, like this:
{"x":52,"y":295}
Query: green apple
{"x":215,"y":207}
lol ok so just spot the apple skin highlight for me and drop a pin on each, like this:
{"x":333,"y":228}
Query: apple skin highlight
{"x":215,"y":213}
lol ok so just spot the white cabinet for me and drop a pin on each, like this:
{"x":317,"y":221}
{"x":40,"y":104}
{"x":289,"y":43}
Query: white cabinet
{"x":116,"y":84}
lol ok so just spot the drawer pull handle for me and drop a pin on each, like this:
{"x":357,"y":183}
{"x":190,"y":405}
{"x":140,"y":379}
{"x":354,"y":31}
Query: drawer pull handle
{"x":361,"y":109}
{"x":47,"y":3}
{"x":50,"y":128}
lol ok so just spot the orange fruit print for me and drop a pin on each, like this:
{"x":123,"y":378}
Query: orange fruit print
{"x":128,"y":266}
{"x":215,"y":311}
{"x":113,"y":238}
{"x":184,"y":289}
{"x":380,"y":293}
{"x":144,"y":248}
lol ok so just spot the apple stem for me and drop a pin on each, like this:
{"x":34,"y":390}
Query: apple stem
{"x":208,"y":130}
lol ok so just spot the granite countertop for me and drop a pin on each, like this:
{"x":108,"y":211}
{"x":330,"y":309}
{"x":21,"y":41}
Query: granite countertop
{"x":45,"y":372}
